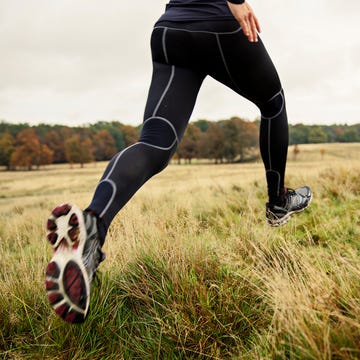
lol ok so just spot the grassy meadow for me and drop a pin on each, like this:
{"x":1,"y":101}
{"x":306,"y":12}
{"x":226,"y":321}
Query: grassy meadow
{"x":193,"y":271}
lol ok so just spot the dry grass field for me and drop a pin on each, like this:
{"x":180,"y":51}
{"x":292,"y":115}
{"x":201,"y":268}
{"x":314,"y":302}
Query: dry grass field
{"x":193,"y":271}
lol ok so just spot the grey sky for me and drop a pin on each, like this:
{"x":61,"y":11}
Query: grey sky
{"x":79,"y":61}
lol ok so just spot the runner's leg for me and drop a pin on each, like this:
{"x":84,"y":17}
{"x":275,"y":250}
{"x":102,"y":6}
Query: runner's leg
{"x":248,"y":69}
{"x":170,"y":102}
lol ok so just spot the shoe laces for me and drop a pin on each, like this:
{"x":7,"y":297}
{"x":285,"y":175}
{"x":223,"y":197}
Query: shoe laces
{"x":292,"y":197}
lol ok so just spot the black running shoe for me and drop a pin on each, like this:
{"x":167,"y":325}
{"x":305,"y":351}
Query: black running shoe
{"x":77,"y":253}
{"x":295,"y":202}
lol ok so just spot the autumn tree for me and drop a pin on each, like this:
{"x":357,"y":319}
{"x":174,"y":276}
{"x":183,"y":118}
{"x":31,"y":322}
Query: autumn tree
{"x":114,"y":128}
{"x":104,"y":145}
{"x":66,"y":132}
{"x":241,"y":138}
{"x":212,"y":143}
{"x":232,"y":140}
{"x":7,"y":147}
{"x":55,"y":142}
{"x":46,"y":155}
{"x":248,"y":134}
{"x":118,"y":137}
{"x":189,"y":145}
{"x":12,"y":129}
{"x":202,"y":124}
{"x":131,"y":134}
{"x":78,"y":151}
{"x":27,"y":152}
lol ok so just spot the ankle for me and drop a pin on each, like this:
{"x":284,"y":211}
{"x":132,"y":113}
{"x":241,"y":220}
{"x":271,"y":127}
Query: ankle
{"x":279,"y":199}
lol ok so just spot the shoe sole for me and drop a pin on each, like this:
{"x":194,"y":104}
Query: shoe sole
{"x":67,"y":282}
{"x":286,"y":218}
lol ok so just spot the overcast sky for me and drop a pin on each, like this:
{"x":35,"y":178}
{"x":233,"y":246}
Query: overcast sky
{"x":79,"y":61}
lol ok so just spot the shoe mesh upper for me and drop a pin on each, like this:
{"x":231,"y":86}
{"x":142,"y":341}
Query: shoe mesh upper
{"x":295,"y":201}
{"x":92,"y":254}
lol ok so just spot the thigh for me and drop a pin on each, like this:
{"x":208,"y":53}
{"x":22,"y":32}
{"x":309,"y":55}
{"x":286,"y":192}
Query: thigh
{"x":246,"y":68}
{"x":172,"y":95}
{"x":221,"y":50}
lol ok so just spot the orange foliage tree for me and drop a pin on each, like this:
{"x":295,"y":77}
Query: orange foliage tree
{"x":104,"y":145}
{"x":78,"y":151}
{"x":27,"y":152}
{"x":212,"y":143}
{"x":190,"y":144}
{"x":46,"y":155}
{"x":131,"y":134}
{"x":55,"y":142}
{"x":7,"y":147}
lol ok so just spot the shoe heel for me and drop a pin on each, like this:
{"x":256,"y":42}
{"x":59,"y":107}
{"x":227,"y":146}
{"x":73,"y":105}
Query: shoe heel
{"x":64,"y":222}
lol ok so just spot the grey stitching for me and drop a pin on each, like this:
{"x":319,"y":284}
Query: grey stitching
{"x":273,"y":97}
{"x":167,"y":121}
{"x":199,"y":31}
{"x":122,"y":152}
{"x":112,"y":183}
{"x":112,"y":196}
{"x":282,"y":106}
{"x":164,"y":45}
{"x":158,"y":147}
{"x":278,"y":186}
{"x":116,"y":161}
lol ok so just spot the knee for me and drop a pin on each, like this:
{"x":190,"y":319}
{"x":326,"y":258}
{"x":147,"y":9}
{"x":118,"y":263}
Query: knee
{"x":274,"y":106}
{"x":160,"y":136}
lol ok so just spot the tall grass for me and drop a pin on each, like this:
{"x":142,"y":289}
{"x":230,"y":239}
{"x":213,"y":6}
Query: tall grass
{"x":192,"y":269}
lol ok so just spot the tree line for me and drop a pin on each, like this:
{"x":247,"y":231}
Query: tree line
{"x":24,"y":147}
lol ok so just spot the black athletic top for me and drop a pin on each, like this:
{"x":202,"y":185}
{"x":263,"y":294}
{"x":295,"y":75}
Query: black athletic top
{"x":195,"y":10}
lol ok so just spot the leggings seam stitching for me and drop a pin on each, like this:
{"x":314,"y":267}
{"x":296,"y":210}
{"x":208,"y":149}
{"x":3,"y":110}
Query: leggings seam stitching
{"x":273,"y":97}
{"x":123,"y":151}
{"x":116,"y":161}
{"x":114,"y":188}
{"x":281,"y":109}
{"x":279,"y":178}
{"x":112,"y":183}
{"x":200,"y":31}
{"x":158,"y":147}
{"x":164,"y":45}
{"x":167,"y":121}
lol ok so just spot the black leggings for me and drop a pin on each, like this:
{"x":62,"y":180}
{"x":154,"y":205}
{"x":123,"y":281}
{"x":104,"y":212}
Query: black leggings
{"x":183,"y":54}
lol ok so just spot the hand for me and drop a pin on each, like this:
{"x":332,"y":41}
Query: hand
{"x":244,"y":14}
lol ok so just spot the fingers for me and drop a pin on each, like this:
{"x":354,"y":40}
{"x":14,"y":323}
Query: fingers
{"x":257,"y":24}
{"x":247,"y":19}
{"x":245,"y":28}
{"x":251,"y":27}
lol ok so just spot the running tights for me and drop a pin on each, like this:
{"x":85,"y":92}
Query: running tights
{"x":183,"y":54}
